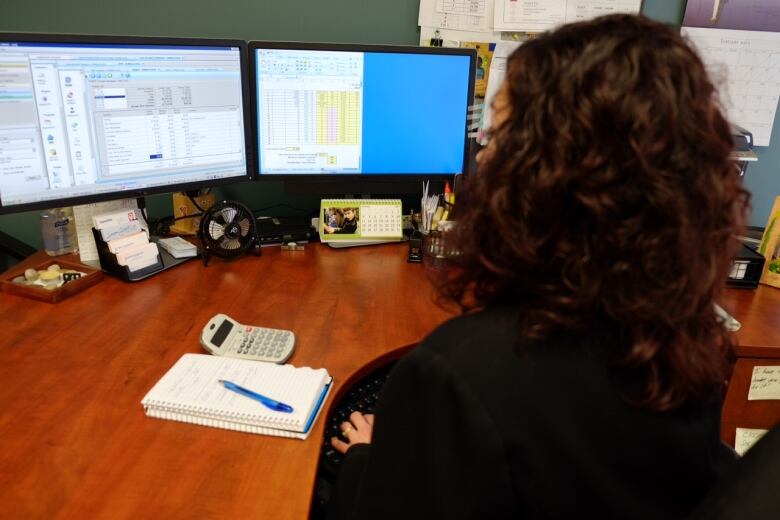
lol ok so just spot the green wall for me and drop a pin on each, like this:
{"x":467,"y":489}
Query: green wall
{"x":363,"y":21}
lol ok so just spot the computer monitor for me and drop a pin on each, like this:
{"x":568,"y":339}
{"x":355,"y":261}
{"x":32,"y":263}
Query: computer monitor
{"x":360,"y":111}
{"x":87,"y":118}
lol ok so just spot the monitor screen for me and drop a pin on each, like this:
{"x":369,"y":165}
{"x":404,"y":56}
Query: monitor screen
{"x":349,"y":109}
{"x":85,"y":119}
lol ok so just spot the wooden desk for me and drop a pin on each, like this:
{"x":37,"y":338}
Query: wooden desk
{"x":759,"y":312}
{"x":75,"y":440}
{"x":759,"y":344}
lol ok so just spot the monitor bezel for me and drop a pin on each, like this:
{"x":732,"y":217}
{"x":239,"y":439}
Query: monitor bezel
{"x":144,"y":40}
{"x":357,"y":178}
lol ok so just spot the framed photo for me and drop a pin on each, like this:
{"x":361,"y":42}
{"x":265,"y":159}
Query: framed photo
{"x":341,"y":220}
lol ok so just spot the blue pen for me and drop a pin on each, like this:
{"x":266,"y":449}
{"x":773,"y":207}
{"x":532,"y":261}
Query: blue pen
{"x":267,"y":401}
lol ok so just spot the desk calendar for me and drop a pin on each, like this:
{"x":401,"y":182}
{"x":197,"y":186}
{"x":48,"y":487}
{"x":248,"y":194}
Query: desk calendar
{"x":360,"y":220}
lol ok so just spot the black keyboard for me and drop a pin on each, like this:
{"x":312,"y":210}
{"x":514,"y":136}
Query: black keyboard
{"x":362,"y":397}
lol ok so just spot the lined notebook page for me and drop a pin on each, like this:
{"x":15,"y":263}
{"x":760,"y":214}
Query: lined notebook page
{"x":192,"y":387}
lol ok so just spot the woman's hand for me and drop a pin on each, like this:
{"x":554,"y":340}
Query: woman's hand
{"x":357,"y":431}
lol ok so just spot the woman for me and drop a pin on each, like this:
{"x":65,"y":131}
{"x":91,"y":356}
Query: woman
{"x":586,"y":374}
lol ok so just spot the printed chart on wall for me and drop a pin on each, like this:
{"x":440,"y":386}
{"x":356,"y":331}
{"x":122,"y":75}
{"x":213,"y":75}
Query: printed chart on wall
{"x":520,"y":15}
{"x":739,"y":40}
{"x":485,"y":20}
{"x":496,"y":27}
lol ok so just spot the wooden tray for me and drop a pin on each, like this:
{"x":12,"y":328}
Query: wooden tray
{"x":90,"y":277}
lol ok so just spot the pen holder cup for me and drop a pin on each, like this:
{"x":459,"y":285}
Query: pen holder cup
{"x":438,"y":250}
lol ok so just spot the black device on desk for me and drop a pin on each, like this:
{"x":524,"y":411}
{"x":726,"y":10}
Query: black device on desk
{"x":281,"y":230}
{"x":415,"y":247}
{"x":746,"y":268}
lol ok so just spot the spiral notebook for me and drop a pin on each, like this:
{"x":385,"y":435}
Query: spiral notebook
{"x":191,"y":392}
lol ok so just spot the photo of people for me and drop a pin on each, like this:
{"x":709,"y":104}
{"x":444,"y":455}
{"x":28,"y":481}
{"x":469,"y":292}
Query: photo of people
{"x":343,"y":221}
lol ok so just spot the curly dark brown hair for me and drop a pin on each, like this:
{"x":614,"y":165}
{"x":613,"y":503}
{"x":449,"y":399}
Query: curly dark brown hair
{"x":607,"y":196}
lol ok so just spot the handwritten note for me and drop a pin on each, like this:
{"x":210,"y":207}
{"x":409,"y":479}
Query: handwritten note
{"x":765,"y":383}
{"x":746,"y":438}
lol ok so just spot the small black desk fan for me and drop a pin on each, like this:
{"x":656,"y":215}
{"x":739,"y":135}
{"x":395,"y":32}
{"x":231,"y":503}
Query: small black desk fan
{"x":228,"y":230}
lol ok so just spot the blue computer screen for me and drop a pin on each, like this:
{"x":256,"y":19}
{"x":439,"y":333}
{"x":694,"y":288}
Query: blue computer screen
{"x":355,"y":112}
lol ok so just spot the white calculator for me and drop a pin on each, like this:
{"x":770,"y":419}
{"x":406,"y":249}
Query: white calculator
{"x":224,"y":336}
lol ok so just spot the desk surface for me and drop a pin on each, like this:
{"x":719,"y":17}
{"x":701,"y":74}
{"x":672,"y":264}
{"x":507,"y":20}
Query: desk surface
{"x":75,"y":440}
{"x":759,"y":313}
{"x":758,"y":344}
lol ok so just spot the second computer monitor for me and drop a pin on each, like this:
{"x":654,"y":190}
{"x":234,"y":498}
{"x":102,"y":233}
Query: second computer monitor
{"x":330,"y":109}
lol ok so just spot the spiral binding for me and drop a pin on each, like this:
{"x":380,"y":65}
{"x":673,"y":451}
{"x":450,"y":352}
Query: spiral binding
{"x":218,"y":423}
{"x":204,"y":412}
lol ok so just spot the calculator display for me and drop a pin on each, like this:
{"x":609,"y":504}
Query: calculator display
{"x":222,"y":333}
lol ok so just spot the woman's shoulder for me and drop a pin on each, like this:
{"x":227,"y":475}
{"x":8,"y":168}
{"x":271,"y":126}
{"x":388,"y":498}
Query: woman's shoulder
{"x":498,"y":322}
{"x":475,"y":339}
{"x":489,"y":344}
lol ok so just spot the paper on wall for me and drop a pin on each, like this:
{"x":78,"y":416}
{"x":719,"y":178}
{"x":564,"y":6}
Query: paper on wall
{"x":495,"y":79}
{"x":538,"y":16}
{"x":745,"y":66}
{"x":462,"y":20}
{"x":452,"y":38}
{"x":471,"y":7}
{"x":514,"y":15}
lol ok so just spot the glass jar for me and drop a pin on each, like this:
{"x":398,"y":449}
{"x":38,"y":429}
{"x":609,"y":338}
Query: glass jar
{"x":58,"y":228}
{"x":438,"y":250}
